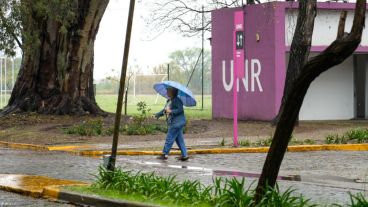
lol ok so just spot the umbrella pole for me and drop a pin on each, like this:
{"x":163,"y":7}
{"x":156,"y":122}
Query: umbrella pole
{"x":112,"y":158}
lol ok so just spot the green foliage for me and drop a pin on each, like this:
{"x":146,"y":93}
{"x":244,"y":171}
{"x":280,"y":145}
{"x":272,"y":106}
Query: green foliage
{"x":87,"y":128}
{"x":231,"y":192}
{"x":352,"y":136}
{"x":224,"y":192}
{"x":263,"y":142}
{"x":154,"y":187}
{"x":275,"y":198}
{"x":357,"y":200}
{"x":244,"y":143}
{"x":294,"y":141}
{"x":182,"y":63}
{"x":140,"y":125}
{"x":222,"y":142}
{"x":335,"y":139}
{"x":21,"y":21}
{"x":309,"y":141}
{"x":134,"y":129}
{"x":267,"y":142}
{"x":141,"y":119}
{"x":357,"y":135}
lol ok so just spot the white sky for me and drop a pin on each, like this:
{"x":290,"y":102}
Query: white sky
{"x":109,"y":45}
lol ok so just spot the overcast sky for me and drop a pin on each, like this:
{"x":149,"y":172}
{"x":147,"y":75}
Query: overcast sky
{"x":147,"y":54}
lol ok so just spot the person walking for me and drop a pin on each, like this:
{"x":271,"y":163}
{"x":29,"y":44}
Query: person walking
{"x":175,"y":119}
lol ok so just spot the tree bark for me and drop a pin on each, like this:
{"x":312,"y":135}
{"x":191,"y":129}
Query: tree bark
{"x":56,"y":75}
{"x":300,"y":80}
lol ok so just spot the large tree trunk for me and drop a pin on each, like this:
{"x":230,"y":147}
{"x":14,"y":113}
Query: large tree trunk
{"x":56,"y":75}
{"x":301,"y":78}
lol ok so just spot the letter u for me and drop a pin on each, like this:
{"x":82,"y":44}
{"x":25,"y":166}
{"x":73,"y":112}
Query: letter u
{"x":227,"y":86}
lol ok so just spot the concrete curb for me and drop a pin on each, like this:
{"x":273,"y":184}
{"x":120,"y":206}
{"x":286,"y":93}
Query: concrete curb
{"x":66,"y":148}
{"x":296,"y":148}
{"x":83,"y":149}
{"x":89,"y":200}
{"x":56,"y":192}
{"x":23,"y":146}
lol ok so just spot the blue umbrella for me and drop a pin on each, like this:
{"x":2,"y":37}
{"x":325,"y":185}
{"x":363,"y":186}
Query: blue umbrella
{"x":185,"y":95}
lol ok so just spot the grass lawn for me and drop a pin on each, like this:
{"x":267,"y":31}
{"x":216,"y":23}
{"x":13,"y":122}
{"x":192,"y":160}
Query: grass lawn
{"x":4,"y":100}
{"x":156,"y":103}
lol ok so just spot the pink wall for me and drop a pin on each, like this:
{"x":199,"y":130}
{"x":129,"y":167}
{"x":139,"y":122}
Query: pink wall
{"x":261,"y":103}
{"x":268,"y":21}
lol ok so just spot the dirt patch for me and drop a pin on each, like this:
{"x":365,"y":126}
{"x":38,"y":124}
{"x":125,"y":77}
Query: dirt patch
{"x":34,"y":128}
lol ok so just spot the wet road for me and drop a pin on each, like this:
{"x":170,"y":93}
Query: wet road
{"x":326,"y":177}
{"x":11,"y":199}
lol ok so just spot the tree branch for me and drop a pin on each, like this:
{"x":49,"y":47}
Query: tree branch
{"x":341,"y":29}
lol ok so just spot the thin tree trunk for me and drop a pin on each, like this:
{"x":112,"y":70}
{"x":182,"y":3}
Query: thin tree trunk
{"x":56,"y":75}
{"x":335,"y":54}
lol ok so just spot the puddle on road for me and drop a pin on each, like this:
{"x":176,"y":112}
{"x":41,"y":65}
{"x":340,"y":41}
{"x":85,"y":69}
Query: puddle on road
{"x":235,"y":173}
{"x":209,"y":171}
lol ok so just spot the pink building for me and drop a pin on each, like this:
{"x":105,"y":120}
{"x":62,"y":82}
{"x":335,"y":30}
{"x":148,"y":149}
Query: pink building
{"x":340,"y":93}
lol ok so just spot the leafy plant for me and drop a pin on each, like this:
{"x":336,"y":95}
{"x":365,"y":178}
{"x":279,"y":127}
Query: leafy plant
{"x":357,"y":200}
{"x":154,"y":187}
{"x":87,"y":128}
{"x":353,"y":136}
{"x":294,"y":141}
{"x":244,"y":143}
{"x":141,"y":118}
{"x":358,"y":135}
{"x":224,"y":192}
{"x":309,"y":141}
{"x":222,"y":142}
{"x":263,"y":142}
{"x":231,"y":192}
{"x":275,"y":198}
{"x":335,"y":139}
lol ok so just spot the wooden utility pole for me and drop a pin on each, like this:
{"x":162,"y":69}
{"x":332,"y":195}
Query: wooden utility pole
{"x":112,"y":158}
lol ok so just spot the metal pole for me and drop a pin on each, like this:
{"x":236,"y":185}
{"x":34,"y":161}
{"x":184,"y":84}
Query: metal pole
{"x":1,"y":82}
{"x":202,"y":52}
{"x":112,"y":158}
{"x":168,"y":72}
{"x":5,"y":82}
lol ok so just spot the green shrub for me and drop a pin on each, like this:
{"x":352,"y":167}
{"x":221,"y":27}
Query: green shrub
{"x":222,"y":142}
{"x":275,"y":198}
{"x":141,"y":119}
{"x":357,"y":200}
{"x":231,"y":192}
{"x":244,"y":143}
{"x":335,"y":139}
{"x":224,"y":192}
{"x":352,"y":136}
{"x":309,"y":141}
{"x":87,"y":128}
{"x":294,"y":141}
{"x":263,"y":142}
{"x":154,"y":187}
{"x":358,"y":135}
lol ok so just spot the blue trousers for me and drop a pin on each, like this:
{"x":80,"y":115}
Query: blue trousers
{"x":175,"y":134}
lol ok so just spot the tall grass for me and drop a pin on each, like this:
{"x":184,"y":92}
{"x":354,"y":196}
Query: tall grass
{"x":357,"y":200}
{"x":357,"y":135}
{"x":224,"y":192}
